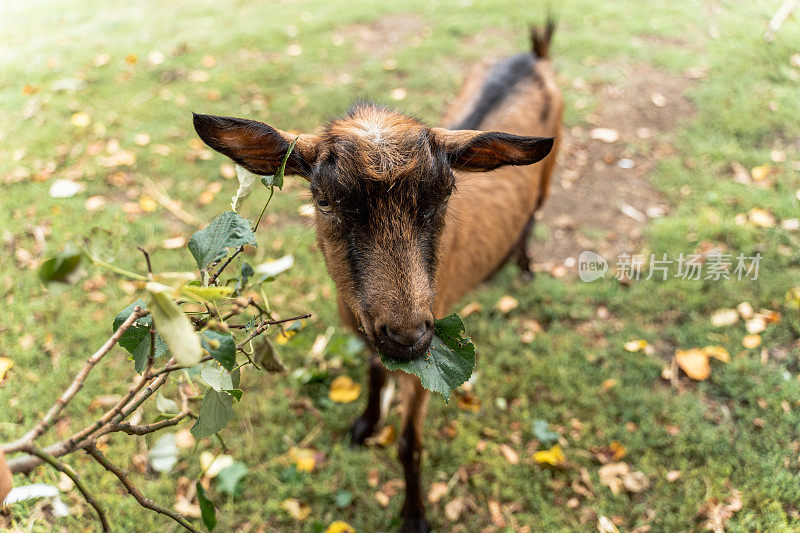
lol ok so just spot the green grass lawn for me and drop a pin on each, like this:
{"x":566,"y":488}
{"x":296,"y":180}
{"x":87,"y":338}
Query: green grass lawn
{"x":295,"y":64}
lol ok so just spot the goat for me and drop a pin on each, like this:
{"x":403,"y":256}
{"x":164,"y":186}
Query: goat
{"x":405,"y":225}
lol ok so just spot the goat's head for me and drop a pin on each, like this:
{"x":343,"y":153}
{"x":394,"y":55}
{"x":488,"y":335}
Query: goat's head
{"x":381,"y":182}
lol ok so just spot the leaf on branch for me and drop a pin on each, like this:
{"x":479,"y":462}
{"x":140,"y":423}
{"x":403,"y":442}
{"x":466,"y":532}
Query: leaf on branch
{"x":226,"y":231}
{"x":137,"y":339}
{"x":230,"y":479}
{"x":266,"y":356}
{"x":277,"y":179}
{"x":218,"y":378}
{"x":207,"y":510}
{"x":247,"y":182}
{"x":174,"y":326}
{"x":164,"y":454}
{"x":166,"y":406}
{"x":449,"y":361}
{"x":221,"y":346}
{"x":215,"y":413}
{"x":64,"y":267}
{"x":270,"y":269}
{"x":205,"y":294}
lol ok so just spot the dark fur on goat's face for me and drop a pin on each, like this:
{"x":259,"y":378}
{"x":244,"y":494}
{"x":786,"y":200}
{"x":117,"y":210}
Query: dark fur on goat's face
{"x":381,"y":187}
{"x":380,"y":181}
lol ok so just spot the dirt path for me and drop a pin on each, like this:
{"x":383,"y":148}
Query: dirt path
{"x":600,"y":198}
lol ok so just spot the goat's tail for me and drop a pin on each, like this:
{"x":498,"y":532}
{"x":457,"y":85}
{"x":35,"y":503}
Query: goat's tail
{"x":541,"y":37}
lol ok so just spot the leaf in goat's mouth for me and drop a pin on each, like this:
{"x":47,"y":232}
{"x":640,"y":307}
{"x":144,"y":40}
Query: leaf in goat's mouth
{"x":449,"y":361}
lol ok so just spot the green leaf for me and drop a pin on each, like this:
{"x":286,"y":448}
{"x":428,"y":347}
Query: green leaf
{"x":236,"y":393}
{"x":277,"y":179}
{"x":221,"y":346}
{"x":165,"y":405}
{"x":205,"y":294}
{"x":137,"y":338}
{"x":542,"y":431}
{"x":229,"y":479}
{"x":449,"y":361}
{"x":266,"y":356}
{"x":175,"y":327}
{"x":343,"y":498}
{"x":61,"y":268}
{"x":218,"y":378}
{"x":226,"y":231}
{"x":207,"y":510}
{"x":164,"y":454}
{"x":215,"y":413}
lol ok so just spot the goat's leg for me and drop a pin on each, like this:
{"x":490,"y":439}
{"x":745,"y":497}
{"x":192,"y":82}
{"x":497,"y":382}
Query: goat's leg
{"x":415,"y":404}
{"x":364,"y":426}
{"x":520,"y":249}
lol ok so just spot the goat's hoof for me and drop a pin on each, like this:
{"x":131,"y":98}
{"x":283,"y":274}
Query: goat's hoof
{"x":416,"y":524}
{"x":361,"y":430}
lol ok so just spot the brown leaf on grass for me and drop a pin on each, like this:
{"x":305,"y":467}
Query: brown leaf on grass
{"x":761,"y":218}
{"x":605,"y":525}
{"x":382,"y":498}
{"x":509,"y":453}
{"x":373,"y":477}
{"x":606,"y":135}
{"x":617,"y":476}
{"x":717,"y":513}
{"x":472,"y":307}
{"x":724,"y":317}
{"x":5,"y":365}
{"x":740,"y":174}
{"x":208,"y":195}
{"x":437,"y":491}
{"x":385,"y":437}
{"x":673,"y":475}
{"x":694,"y":362}
{"x":454,"y":508}
{"x":745,"y":310}
{"x":227,"y":171}
{"x":506,"y":304}
{"x":469,"y":402}
{"x":496,"y":513}
{"x":751,"y":341}
{"x":296,"y":509}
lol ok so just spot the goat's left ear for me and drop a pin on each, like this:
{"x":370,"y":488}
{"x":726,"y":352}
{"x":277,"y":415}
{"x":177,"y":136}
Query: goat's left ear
{"x":256,"y":146}
{"x":480,"y":151}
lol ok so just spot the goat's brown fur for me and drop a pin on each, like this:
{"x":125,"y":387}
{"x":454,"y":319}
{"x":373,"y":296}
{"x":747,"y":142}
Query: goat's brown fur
{"x":399,"y":246}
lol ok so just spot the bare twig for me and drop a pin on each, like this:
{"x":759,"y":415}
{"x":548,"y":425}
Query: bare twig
{"x":262,"y":327}
{"x":77,"y":384}
{"x":69,"y":472}
{"x":146,"y":258}
{"x":213,"y":279}
{"x":122,"y":475}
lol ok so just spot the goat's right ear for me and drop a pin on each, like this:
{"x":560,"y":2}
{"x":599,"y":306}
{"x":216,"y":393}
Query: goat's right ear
{"x":256,"y":146}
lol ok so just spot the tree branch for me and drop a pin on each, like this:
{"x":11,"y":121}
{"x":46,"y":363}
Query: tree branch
{"x":75,"y":386}
{"x":69,"y":472}
{"x":147,"y":503}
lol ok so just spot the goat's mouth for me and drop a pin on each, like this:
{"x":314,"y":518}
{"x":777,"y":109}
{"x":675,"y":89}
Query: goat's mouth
{"x":403,"y":352}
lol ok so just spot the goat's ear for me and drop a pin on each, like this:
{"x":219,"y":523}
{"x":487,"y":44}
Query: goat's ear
{"x":480,"y":151}
{"x":256,"y":146}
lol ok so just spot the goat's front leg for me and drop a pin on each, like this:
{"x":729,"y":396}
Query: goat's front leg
{"x":415,"y":405}
{"x":365,"y":425}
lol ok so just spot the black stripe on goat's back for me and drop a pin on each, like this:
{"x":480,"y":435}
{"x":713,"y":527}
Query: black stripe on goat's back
{"x":501,"y":81}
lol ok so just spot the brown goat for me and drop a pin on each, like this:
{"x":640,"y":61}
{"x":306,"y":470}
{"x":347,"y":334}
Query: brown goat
{"x":404,"y":224}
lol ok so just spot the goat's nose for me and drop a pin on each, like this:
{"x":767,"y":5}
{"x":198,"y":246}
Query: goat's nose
{"x":407,"y":336}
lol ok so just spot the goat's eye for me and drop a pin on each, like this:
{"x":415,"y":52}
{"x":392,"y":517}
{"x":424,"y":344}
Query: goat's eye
{"x":323,"y":205}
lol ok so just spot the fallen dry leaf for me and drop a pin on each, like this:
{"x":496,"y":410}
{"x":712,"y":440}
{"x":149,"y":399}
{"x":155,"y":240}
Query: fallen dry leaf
{"x":469,"y":402}
{"x":717,"y":352}
{"x":554,"y":457}
{"x":5,"y":365}
{"x":212,"y":465}
{"x":608,"y":384}
{"x":605,"y":525}
{"x":751,"y":341}
{"x":673,"y":475}
{"x":761,"y":172}
{"x":506,"y":304}
{"x":472,"y":307}
{"x":496,"y":513}
{"x":340,"y":527}
{"x":385,"y":437}
{"x":607,"y":135}
{"x":382,"y":498}
{"x":761,"y":218}
{"x":453,"y":509}
{"x":724,"y":317}
{"x":208,"y":195}
{"x":745,"y":310}
{"x":304,"y":459}
{"x":344,"y":390}
{"x":147,"y":203}
{"x":757,"y":324}
{"x":718,"y":513}
{"x":227,"y":171}
{"x":296,"y":509}
{"x":398,"y":94}
{"x":694,"y":362}
{"x":658,"y":99}
{"x":617,"y":476}
{"x":437,"y":491}
{"x":635,"y":345}
{"x":509,"y":453}
{"x":81,"y":119}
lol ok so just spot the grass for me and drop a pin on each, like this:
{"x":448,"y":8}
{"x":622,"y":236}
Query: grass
{"x":737,"y":430}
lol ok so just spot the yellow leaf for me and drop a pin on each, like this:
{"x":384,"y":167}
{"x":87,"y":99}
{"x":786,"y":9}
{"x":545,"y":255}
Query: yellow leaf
{"x":296,"y":509}
{"x":344,"y":390}
{"x":284,"y":336}
{"x":635,"y":345}
{"x":5,"y":365}
{"x":383,"y":438}
{"x":608,"y":384}
{"x":506,"y":304}
{"x":618,"y":450}
{"x":717,"y":352}
{"x":751,"y":341}
{"x":303,"y":459}
{"x":80,"y":119}
{"x":760,"y":172}
{"x":554,"y":457}
{"x":469,"y":402}
{"x":694,"y":362}
{"x":340,"y":527}
{"x":147,"y":204}
{"x":761,"y":218}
